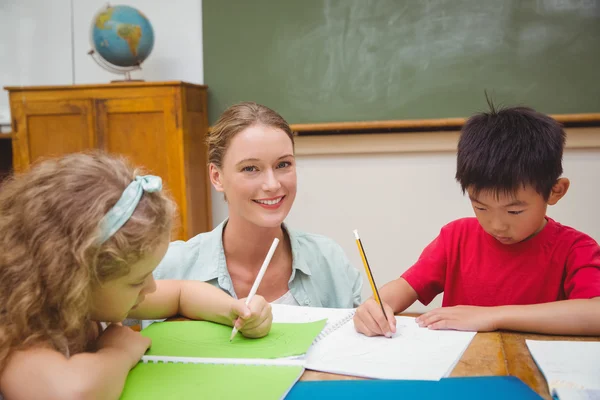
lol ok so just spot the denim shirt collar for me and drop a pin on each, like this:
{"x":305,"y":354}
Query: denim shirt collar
{"x":218,"y":269}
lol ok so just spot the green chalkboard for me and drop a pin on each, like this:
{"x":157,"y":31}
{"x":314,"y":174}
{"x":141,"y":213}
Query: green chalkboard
{"x":365,"y":60}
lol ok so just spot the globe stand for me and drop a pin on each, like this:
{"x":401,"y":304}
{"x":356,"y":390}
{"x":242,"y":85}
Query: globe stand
{"x":125,"y":71}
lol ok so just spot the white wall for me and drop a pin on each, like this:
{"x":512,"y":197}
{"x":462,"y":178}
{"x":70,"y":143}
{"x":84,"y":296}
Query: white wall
{"x":399,"y":202}
{"x":35,"y":48}
{"x":42,"y":45}
{"x":177,"y":52}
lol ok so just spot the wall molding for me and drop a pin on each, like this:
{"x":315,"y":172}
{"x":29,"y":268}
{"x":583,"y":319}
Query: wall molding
{"x":414,"y":142}
{"x":412,"y":125}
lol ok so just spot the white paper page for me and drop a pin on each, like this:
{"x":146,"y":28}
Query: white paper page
{"x":413,"y":352}
{"x":567,"y":364}
{"x":576,"y":394}
{"x":294,"y":314}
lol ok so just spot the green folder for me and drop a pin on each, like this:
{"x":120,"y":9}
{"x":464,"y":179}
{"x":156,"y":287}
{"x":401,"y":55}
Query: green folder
{"x":217,"y":379}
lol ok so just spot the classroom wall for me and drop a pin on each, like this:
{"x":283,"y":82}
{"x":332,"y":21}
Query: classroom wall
{"x":46,"y":43}
{"x":35,"y":48}
{"x":399,"y":202}
{"x":177,"y":53}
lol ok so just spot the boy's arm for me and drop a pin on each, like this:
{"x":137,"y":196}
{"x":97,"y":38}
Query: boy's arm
{"x":396,"y":296}
{"x":44,"y":373}
{"x":567,"y":317}
{"x":202,"y":301}
{"x":426,"y":277}
{"x":580,"y":315}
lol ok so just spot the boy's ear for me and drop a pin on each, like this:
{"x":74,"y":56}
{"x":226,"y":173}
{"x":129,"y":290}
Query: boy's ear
{"x":215,"y":177}
{"x":558,"y":191}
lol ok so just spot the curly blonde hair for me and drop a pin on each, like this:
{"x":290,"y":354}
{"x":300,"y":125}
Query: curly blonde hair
{"x":49,"y":252}
{"x":237,"y":118}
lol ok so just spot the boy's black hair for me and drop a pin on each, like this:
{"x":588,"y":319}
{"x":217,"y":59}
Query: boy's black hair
{"x":505,"y":149}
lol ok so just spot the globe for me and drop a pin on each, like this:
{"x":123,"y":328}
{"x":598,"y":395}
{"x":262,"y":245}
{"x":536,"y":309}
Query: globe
{"x":122,"y":37}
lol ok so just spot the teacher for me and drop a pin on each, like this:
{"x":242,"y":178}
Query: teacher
{"x":252,"y":162}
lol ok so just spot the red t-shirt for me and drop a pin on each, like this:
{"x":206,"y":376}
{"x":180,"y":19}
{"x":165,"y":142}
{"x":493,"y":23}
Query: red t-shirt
{"x":473,"y":268}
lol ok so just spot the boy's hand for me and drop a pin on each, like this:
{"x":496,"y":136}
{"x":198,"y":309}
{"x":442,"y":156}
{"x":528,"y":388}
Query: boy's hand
{"x":461,"y":318}
{"x":370,"y":321}
{"x":125,"y":341}
{"x":252,"y":320}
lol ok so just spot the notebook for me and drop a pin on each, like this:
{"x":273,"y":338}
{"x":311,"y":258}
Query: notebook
{"x":188,"y":359}
{"x":572,"y":369}
{"x":471,"y":388}
{"x":413,"y":353}
{"x":335,"y":317}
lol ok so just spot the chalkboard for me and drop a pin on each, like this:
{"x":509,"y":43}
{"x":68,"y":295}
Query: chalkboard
{"x":368,"y":60}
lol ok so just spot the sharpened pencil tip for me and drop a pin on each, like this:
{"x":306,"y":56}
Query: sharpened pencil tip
{"x":233,"y":333}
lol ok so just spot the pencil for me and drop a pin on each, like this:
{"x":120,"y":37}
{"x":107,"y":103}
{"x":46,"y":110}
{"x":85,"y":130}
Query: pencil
{"x":361,"y":250}
{"x":258,"y":279}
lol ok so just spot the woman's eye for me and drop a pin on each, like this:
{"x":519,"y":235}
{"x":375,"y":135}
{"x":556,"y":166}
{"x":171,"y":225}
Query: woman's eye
{"x":284,"y":164}
{"x":249,"y":168}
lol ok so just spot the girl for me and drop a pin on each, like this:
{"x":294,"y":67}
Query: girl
{"x":251,"y":156}
{"x":81,"y":236}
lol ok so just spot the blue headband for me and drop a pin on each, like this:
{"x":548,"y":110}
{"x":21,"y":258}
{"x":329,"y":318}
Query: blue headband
{"x":117,"y":216}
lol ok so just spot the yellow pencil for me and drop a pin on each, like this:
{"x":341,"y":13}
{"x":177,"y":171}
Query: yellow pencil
{"x":361,"y":250}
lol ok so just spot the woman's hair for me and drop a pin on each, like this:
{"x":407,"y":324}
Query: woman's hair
{"x":237,"y":118}
{"x":49,"y":253}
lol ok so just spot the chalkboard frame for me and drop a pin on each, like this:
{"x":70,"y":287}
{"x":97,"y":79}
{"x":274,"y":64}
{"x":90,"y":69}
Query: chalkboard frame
{"x":421,"y":125}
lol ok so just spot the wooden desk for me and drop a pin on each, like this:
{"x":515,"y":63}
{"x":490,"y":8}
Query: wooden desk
{"x":491,"y":353}
{"x":497,"y":353}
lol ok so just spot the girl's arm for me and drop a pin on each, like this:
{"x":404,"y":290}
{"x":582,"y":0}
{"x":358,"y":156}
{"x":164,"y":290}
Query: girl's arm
{"x":202,"y":301}
{"x":42,"y":372}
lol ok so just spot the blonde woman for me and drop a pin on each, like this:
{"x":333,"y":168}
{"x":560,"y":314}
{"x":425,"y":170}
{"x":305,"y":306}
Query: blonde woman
{"x":251,"y":156}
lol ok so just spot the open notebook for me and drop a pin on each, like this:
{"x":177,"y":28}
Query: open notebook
{"x":572,"y":369}
{"x":188,"y":359}
{"x":335,"y":317}
{"x":413,"y":352}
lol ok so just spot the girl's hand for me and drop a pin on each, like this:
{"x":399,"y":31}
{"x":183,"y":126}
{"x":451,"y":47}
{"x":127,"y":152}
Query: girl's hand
{"x":252,"y":320}
{"x":125,"y":341}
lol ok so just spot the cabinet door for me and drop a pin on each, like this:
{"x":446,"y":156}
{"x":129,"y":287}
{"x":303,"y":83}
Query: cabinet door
{"x":51,"y":128}
{"x":146,"y":130}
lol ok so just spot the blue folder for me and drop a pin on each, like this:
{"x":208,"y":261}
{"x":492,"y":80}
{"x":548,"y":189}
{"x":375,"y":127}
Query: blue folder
{"x":489,"y":388}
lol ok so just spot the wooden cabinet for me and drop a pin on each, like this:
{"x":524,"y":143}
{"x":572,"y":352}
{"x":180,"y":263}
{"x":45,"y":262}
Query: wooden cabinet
{"x":5,"y":155}
{"x":158,"y":125}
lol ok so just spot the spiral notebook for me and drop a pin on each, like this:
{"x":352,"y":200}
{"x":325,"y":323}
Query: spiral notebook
{"x":188,"y":359}
{"x":412,"y":353}
{"x":336,"y":317}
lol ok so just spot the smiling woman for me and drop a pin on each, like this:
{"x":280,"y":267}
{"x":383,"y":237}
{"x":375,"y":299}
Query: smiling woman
{"x":251,"y":161}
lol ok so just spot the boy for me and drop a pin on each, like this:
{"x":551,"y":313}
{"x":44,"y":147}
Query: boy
{"x":511,"y":267}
